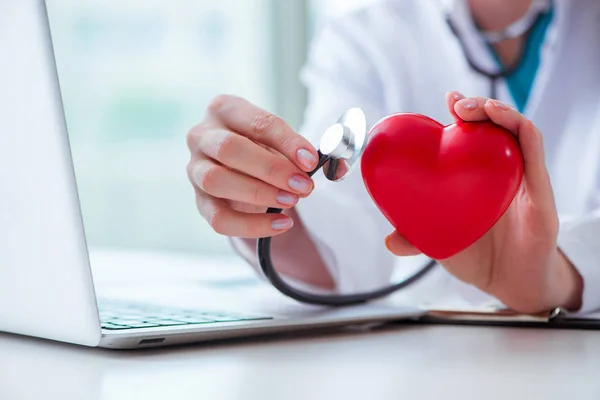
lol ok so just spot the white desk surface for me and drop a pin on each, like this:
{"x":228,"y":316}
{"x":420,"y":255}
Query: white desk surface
{"x":396,"y":362}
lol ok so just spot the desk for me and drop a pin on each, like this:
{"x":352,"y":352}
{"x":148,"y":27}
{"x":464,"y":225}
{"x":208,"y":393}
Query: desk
{"x":401,"y":362}
{"x":394,"y":362}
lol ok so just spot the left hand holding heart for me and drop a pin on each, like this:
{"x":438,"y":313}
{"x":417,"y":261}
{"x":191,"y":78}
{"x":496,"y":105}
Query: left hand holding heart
{"x":517,"y":260}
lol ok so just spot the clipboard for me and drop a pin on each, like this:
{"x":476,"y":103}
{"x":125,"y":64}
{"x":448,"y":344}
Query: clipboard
{"x":494,"y":315}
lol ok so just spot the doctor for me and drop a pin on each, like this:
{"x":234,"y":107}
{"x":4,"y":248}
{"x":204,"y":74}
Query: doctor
{"x":538,"y":60}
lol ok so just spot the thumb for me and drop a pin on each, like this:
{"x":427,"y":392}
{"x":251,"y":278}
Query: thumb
{"x":451,"y":99}
{"x":398,"y":245}
{"x":537,"y":179}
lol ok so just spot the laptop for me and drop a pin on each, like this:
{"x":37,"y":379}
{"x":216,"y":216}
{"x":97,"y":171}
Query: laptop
{"x":46,"y":284}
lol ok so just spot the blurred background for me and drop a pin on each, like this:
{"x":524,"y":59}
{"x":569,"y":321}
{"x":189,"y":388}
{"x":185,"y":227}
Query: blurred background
{"x":137,"y":75}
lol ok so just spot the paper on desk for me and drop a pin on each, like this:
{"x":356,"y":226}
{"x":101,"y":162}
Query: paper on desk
{"x":590,"y":316}
{"x":492,"y":311}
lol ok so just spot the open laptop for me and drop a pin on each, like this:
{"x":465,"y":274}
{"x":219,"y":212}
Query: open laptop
{"x":46,"y":284}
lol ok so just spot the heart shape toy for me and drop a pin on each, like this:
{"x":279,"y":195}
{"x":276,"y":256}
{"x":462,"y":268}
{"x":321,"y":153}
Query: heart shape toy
{"x":441,"y":187}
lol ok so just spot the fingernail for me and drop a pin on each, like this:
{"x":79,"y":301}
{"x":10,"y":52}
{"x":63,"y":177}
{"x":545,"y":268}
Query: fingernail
{"x":306,"y":158}
{"x":282,"y":224}
{"x":458,"y":96}
{"x":287,"y":199}
{"x":469,"y":104}
{"x":300,"y":184}
{"x":387,"y":242}
{"x":500,"y":105}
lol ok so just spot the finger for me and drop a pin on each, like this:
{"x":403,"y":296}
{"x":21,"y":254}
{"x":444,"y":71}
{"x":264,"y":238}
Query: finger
{"x":221,"y":182}
{"x":451,"y":99}
{"x":261,"y":126}
{"x":471,"y":109}
{"x":241,"y":154}
{"x":226,"y":221}
{"x":399,"y":246}
{"x":341,"y":169}
{"x":537,"y":179}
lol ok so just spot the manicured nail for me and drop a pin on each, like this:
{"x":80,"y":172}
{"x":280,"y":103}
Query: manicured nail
{"x":469,"y":104}
{"x":499,"y":105}
{"x":282,"y":224}
{"x":458,"y":96}
{"x":307,"y":159}
{"x":287,"y":199}
{"x":300,"y":184}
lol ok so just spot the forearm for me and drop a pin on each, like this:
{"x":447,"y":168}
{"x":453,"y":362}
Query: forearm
{"x":579,"y":242}
{"x":294,"y":255}
{"x":553,"y":283}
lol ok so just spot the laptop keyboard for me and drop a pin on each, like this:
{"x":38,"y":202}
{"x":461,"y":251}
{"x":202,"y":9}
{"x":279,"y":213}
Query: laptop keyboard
{"x":124,"y":315}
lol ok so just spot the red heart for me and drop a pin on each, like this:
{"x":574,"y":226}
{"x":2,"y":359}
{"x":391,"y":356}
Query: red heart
{"x":442,"y":188}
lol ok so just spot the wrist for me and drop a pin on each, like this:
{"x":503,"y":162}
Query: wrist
{"x":567,"y":284}
{"x":561,"y":286}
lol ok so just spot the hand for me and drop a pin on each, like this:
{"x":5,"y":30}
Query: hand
{"x":244,"y":160}
{"x":518,"y":260}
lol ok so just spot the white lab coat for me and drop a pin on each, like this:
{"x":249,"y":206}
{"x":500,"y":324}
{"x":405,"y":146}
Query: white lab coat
{"x":400,"y":56}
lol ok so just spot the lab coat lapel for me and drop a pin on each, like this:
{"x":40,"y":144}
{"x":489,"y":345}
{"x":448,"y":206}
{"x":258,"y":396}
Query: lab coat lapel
{"x":562,"y":110}
{"x":562,"y":117}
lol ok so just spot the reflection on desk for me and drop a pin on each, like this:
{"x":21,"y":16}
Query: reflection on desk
{"x":400,"y":362}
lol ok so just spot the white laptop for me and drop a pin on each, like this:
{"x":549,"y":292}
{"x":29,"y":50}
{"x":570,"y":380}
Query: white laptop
{"x":46,"y":284}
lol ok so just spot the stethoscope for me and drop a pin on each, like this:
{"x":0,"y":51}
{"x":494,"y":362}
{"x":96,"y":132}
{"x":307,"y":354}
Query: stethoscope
{"x":516,"y":29}
{"x":340,"y":149}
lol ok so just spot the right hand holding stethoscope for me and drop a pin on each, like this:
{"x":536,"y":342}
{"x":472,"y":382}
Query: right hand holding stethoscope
{"x":244,"y":160}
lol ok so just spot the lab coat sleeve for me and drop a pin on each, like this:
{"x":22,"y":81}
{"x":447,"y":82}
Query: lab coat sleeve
{"x":246,"y":249}
{"x":341,"y":219}
{"x":579,"y":240}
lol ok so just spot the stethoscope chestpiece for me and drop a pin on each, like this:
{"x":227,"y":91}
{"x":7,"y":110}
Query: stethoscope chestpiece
{"x":344,"y":143}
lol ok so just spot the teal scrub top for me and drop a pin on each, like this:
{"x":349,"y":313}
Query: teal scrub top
{"x":520,"y":82}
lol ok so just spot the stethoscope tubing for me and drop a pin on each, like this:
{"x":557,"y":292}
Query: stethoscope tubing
{"x":268,"y":269}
